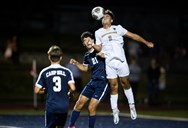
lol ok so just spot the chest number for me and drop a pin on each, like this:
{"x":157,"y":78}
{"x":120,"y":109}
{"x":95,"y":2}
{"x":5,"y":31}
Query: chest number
{"x":110,"y":38}
{"x":57,"y":84}
{"x":94,"y":60}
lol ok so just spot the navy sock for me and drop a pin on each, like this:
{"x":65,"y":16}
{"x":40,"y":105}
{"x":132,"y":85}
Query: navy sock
{"x":92,"y":121}
{"x":73,"y":118}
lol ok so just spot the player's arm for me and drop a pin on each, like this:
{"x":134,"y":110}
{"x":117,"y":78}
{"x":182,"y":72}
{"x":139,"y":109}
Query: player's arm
{"x":79,"y":65}
{"x":72,"y":89}
{"x":138,"y":38}
{"x":98,"y":48}
{"x":101,"y":54}
{"x":39,"y":90}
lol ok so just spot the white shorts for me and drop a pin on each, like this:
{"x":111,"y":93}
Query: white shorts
{"x":116,"y":68}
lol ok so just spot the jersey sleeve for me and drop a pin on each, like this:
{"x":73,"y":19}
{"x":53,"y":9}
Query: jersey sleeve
{"x":70,"y":77}
{"x":85,"y":61}
{"x":40,"y":81}
{"x":97,"y":38}
{"x":122,"y":31}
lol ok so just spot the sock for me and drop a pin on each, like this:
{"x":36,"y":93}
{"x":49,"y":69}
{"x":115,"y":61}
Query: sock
{"x":73,"y":118}
{"x":113,"y":101}
{"x":129,"y":95}
{"x":92,"y":121}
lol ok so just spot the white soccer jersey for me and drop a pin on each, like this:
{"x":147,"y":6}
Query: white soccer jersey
{"x":112,"y":42}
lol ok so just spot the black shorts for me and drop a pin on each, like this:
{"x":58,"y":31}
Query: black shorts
{"x":55,"y":119}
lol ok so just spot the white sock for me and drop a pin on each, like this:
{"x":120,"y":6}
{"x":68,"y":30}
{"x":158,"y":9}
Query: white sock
{"x":113,"y":101}
{"x":129,"y":95}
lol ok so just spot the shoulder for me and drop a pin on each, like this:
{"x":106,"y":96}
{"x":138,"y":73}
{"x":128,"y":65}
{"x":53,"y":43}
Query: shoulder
{"x":45,"y":69}
{"x":117,"y":26}
{"x":98,"y":30}
{"x":86,"y":54}
{"x":65,"y":68}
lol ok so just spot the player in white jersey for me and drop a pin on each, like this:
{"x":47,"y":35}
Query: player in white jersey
{"x":109,"y":40}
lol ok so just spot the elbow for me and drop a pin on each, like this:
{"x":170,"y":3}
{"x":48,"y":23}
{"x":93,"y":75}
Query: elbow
{"x":36,"y":90}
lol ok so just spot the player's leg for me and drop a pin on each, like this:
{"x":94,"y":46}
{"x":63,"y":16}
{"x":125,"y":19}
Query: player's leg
{"x":114,"y":99}
{"x":113,"y":81}
{"x":50,"y":120}
{"x":76,"y":111}
{"x":129,"y":94}
{"x":61,"y":120}
{"x":123,"y":73}
{"x":92,"y":111}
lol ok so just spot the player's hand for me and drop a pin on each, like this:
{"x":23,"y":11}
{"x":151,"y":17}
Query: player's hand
{"x":73,"y":61}
{"x":42,"y":91}
{"x":71,"y":94}
{"x":150,"y":44}
{"x":91,"y":42}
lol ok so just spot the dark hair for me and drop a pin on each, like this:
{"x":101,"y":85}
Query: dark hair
{"x":109,"y":12}
{"x":55,"y":53}
{"x":86,"y":34}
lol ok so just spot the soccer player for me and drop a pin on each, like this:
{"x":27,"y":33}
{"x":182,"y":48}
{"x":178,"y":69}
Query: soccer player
{"x":96,"y":88}
{"x":57,"y":82}
{"x":109,"y":40}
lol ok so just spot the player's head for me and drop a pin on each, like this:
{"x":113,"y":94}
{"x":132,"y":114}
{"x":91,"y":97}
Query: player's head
{"x":55,"y":53}
{"x":87,"y":40}
{"x":109,"y":12}
{"x":86,"y":34}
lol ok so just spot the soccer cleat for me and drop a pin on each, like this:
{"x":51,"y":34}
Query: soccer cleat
{"x":71,"y":127}
{"x":133,"y":113}
{"x":116,"y":116}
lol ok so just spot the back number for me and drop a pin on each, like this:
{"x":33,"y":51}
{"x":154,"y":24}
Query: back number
{"x":57,"y":84}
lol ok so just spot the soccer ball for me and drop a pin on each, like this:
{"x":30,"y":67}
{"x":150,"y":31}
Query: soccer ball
{"x":97,"y":12}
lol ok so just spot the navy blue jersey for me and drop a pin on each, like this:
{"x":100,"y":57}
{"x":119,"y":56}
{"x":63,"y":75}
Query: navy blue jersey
{"x":55,"y":79}
{"x":96,"y":63}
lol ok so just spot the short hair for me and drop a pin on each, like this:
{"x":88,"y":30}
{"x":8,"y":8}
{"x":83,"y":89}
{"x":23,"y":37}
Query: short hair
{"x":55,"y":53}
{"x":109,"y":12}
{"x":86,"y":34}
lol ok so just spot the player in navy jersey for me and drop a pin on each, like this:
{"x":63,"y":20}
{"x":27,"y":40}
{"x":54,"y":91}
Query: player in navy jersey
{"x":96,"y":88}
{"x":58,"y":83}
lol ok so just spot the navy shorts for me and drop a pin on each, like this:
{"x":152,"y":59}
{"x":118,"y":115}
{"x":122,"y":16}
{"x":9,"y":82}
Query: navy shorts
{"x":96,"y":88}
{"x":55,"y":119}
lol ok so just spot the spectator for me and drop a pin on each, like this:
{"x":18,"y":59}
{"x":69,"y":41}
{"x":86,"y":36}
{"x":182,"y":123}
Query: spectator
{"x":162,"y":78}
{"x":134,"y":77}
{"x":13,"y":49}
{"x":153,"y":74}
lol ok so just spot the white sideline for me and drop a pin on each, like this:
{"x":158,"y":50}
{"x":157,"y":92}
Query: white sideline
{"x":8,"y":127}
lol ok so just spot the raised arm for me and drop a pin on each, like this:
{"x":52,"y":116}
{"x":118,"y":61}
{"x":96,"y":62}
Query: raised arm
{"x":80,"y":66}
{"x":98,"y":48}
{"x":138,"y":38}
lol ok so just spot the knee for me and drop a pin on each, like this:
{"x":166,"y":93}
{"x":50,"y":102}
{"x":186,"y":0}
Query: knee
{"x":114,"y":85}
{"x":125,"y":83}
{"x":91,"y":109}
{"x":78,"y":106}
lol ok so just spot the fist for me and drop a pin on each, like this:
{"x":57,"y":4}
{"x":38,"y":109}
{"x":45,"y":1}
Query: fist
{"x":73,"y":61}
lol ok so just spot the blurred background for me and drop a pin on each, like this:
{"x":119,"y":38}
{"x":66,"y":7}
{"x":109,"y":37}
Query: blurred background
{"x":29,"y":28}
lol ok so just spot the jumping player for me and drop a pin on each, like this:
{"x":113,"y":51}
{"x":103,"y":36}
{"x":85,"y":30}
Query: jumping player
{"x":96,"y":88}
{"x":57,"y":81}
{"x":109,"y":40}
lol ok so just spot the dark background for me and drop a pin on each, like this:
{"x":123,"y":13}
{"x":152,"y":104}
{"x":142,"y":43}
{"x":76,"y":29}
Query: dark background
{"x":40,"y":24}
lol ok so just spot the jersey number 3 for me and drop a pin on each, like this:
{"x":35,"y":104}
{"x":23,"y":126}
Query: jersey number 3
{"x":57,"y":84}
